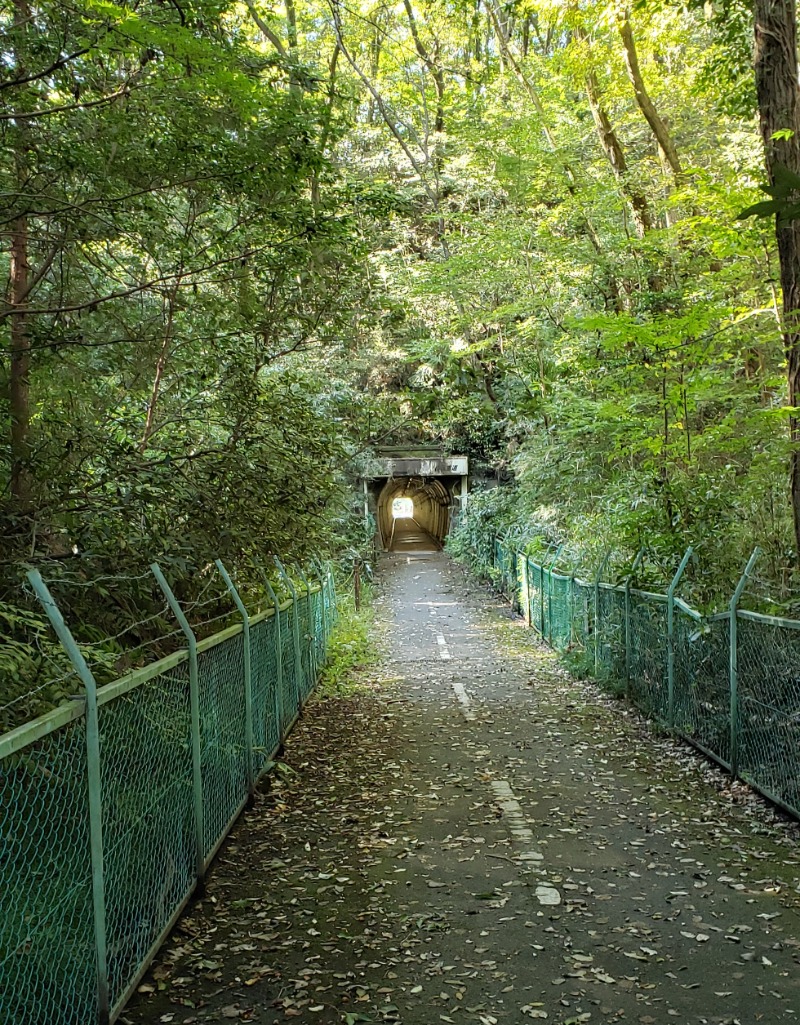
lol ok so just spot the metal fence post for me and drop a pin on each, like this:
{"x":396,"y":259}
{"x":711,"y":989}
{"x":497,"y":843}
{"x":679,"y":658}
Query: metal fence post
{"x":572,"y":571}
{"x":312,"y":642}
{"x":636,"y":563}
{"x":194,"y":701}
{"x":600,"y":570}
{"x":279,"y":652}
{"x":298,"y":661}
{"x":248,"y":674}
{"x":95,"y":784}
{"x":323,"y":609}
{"x":526,"y":592}
{"x":332,"y":589}
{"x":671,"y":636}
{"x":550,"y":594}
{"x":734,"y":660}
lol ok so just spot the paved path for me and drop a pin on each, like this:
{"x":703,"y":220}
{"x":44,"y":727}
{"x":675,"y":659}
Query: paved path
{"x":476,"y":838}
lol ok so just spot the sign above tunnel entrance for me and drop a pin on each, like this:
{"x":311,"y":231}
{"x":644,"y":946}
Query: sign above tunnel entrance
{"x":416,"y":466}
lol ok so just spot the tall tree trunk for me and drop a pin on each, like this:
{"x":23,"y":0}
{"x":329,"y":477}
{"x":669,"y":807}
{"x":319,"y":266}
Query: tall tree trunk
{"x":666,"y":145}
{"x":19,"y":378}
{"x":326,"y":122}
{"x":20,"y":348}
{"x":161,"y":364}
{"x":374,"y":67}
{"x":609,"y":140}
{"x":572,"y":179}
{"x":291,"y":24}
{"x":266,"y":30}
{"x":779,"y":110}
{"x":431,"y":62}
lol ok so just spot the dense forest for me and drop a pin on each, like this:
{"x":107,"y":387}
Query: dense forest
{"x":245,"y":243}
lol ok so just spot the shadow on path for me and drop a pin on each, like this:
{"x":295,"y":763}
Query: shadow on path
{"x":477,"y":838}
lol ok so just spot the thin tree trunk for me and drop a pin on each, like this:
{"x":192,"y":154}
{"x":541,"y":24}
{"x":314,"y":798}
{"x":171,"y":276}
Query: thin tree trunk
{"x":640,"y":208}
{"x":19,"y":378}
{"x":666,"y":145}
{"x":779,"y":109}
{"x":374,"y":68}
{"x":431,"y":63}
{"x":20,"y":349}
{"x":572,"y":187}
{"x":161,"y":364}
{"x":291,"y":24}
{"x":327,"y":121}
{"x":267,"y":31}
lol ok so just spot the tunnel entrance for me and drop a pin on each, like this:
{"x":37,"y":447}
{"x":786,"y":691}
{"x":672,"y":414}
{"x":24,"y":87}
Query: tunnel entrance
{"x":413,"y":514}
{"x":413,"y":499}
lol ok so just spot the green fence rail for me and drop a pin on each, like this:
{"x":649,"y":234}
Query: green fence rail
{"x":113,"y":806}
{"x":728,"y":683}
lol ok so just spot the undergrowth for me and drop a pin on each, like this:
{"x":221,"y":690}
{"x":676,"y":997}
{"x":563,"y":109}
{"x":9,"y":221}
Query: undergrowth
{"x":351,"y":648}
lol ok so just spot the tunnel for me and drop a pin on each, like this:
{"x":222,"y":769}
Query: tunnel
{"x":414,"y":513}
{"x":413,"y":494}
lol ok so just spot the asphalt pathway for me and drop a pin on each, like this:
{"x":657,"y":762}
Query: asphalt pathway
{"x":475,"y":837}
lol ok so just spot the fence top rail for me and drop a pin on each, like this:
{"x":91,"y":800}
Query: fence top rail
{"x":687,"y":610}
{"x":655,"y":596}
{"x":762,"y":617}
{"x":28,"y":733}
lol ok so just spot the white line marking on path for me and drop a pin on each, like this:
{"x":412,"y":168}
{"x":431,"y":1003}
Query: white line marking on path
{"x":457,"y":685}
{"x":463,"y":697}
{"x":520,"y":831}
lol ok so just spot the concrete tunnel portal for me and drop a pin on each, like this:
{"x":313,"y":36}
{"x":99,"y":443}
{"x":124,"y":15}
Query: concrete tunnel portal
{"x":413,"y":500}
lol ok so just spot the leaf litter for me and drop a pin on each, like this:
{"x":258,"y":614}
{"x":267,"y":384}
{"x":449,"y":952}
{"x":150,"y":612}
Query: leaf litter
{"x":375,"y":879}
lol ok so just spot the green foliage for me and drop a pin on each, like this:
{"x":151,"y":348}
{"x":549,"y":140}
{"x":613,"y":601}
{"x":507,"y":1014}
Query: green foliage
{"x":489,"y":513}
{"x":783,"y":204}
{"x":351,"y":648}
{"x":260,"y":247}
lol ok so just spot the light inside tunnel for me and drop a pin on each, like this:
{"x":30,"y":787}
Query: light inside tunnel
{"x":413,"y":513}
{"x":403,"y":508}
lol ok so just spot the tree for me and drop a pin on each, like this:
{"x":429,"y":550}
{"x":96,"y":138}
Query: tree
{"x":779,"y":118}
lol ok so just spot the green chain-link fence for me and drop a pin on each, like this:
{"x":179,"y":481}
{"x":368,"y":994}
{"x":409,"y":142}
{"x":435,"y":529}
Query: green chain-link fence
{"x":112,"y":806}
{"x":729,"y":683}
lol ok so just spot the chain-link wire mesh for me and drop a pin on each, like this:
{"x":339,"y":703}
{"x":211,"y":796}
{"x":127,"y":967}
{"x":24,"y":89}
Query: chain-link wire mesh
{"x":610,"y":632}
{"x":307,"y":673}
{"x":559,"y":611}
{"x":506,"y":566}
{"x":701,"y":684}
{"x":647,"y":685}
{"x":626,"y":638}
{"x":223,"y":737}
{"x":536,"y":592}
{"x":291,"y":692}
{"x":582,"y":613}
{"x":316,"y":632}
{"x":48,"y":939}
{"x":769,"y":705}
{"x":147,"y":817}
{"x":47,"y":964}
{"x":266,"y":691}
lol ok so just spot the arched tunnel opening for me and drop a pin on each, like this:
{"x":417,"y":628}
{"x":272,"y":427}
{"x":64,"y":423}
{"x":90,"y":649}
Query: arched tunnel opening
{"x":414,"y":513}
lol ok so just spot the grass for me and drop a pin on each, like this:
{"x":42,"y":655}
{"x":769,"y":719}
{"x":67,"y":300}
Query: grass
{"x":351,"y":648}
